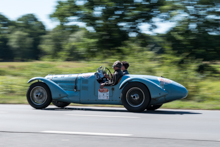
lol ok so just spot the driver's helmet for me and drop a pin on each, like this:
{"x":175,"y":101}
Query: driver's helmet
{"x":117,"y":64}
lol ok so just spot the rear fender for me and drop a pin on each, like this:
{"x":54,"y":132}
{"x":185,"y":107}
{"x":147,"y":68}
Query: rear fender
{"x":56,"y":91}
{"x":155,"y":90}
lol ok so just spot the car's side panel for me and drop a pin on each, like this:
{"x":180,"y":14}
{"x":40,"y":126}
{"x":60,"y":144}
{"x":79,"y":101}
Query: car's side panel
{"x":87,"y":89}
{"x":157,"y":93}
{"x":96,"y":88}
{"x":155,"y":90}
{"x":89,"y":97}
{"x":89,"y":92}
{"x":56,"y":91}
{"x":67,"y":83}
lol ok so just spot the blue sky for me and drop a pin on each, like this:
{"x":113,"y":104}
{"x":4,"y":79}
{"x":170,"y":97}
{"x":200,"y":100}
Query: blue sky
{"x":13,"y":9}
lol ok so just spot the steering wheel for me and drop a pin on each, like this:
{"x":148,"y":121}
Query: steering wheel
{"x":108,"y":71}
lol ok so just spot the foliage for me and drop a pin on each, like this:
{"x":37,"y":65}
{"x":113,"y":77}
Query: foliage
{"x":34,"y":29}
{"x":108,"y":27}
{"x":5,"y":52}
{"x":20,"y":39}
{"x":20,"y":44}
{"x":111,"y":20}
{"x":197,"y":31}
{"x":67,"y":44}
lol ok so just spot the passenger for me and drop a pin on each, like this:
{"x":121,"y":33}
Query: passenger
{"x":124,"y":67}
{"x":115,"y":77}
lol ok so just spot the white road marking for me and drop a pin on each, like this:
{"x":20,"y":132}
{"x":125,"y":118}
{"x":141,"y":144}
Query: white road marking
{"x":102,"y":116}
{"x":86,"y":133}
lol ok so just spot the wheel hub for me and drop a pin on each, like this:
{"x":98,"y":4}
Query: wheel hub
{"x":135,"y":96}
{"x":38,"y":95}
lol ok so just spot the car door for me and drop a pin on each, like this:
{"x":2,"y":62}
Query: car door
{"x":104,"y":94}
{"x":89,"y":91}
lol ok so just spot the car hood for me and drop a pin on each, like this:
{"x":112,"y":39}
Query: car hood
{"x":68,"y":77}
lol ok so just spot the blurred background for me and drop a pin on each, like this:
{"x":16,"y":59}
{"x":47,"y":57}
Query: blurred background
{"x":176,"y":39}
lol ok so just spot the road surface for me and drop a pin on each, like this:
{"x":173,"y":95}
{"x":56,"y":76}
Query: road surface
{"x":24,"y":126}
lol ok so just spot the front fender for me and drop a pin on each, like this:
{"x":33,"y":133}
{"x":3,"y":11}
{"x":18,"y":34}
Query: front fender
{"x":155,"y":90}
{"x":56,"y":91}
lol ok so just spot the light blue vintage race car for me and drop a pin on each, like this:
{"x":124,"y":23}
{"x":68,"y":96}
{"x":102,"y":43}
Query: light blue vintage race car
{"x":135,"y":92}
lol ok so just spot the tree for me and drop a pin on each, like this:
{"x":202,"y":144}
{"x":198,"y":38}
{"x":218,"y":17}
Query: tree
{"x":111,"y":20}
{"x":197,"y":33}
{"x":34,"y":30}
{"x":55,"y":42}
{"x":5,"y":52}
{"x":21,"y":45}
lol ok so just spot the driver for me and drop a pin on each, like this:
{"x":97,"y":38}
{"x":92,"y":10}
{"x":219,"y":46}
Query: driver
{"x":115,"y":77}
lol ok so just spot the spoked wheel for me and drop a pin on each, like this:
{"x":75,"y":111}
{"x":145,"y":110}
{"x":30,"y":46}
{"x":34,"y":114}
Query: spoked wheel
{"x":38,"y":95}
{"x":60,"y":104}
{"x":153,"y":107}
{"x":135,"y":97}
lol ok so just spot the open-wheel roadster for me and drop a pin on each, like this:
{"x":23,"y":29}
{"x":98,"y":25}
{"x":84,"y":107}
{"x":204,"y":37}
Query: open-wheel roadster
{"x":135,"y":92}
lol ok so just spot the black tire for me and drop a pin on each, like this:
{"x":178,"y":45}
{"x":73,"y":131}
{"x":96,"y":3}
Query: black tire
{"x":60,"y":104}
{"x":153,"y":107}
{"x":39,"y":95}
{"x":135,"y":97}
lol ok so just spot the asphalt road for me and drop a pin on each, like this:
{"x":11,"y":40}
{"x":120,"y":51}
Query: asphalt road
{"x":23,"y":126}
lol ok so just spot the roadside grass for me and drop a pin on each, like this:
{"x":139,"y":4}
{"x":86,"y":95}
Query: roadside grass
{"x":12,"y":99}
{"x":206,"y":105}
{"x":204,"y":92}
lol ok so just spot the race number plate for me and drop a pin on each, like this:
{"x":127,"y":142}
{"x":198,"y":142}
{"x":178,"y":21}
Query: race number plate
{"x":103,"y":94}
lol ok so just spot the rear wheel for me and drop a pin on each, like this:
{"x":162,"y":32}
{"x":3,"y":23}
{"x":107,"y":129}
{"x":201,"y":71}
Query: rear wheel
{"x":153,"y":107}
{"x":38,"y":95}
{"x":135,"y":97}
{"x":60,"y":104}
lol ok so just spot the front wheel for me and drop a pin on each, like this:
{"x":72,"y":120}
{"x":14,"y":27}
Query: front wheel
{"x":135,"y":97}
{"x":38,"y":95}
